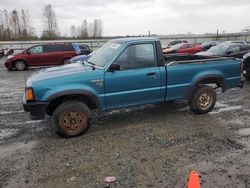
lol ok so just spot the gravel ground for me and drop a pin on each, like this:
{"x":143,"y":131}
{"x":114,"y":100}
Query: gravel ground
{"x":150,"y":146}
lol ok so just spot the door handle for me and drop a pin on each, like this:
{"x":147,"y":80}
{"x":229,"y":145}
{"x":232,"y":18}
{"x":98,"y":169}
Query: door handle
{"x":151,"y":74}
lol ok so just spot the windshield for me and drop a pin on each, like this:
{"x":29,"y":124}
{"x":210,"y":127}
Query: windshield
{"x":104,"y":54}
{"x":219,"y":49}
{"x":177,"y":46}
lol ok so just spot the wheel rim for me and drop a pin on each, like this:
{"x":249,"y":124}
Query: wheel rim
{"x":20,"y":65}
{"x":205,"y":101}
{"x":73,"y":122}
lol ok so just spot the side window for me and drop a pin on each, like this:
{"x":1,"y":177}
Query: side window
{"x":53,"y":48}
{"x":68,"y":47}
{"x":234,"y":49}
{"x":36,"y":50}
{"x":137,"y":56}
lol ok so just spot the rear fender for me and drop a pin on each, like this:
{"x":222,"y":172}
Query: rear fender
{"x":206,"y":78}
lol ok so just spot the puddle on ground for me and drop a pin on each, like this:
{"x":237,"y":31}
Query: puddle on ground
{"x":225,"y":109}
{"x":8,"y":150}
{"x":244,"y":132}
{"x":10,"y":112}
{"x":28,"y":122}
{"x":7,"y":133}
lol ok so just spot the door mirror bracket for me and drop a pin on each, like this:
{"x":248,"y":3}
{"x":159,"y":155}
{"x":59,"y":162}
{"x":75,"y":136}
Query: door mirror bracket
{"x":114,"y":67}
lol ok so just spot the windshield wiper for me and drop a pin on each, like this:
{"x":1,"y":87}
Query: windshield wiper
{"x":91,"y":63}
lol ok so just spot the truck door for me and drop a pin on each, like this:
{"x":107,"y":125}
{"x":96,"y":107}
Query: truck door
{"x":137,"y":81}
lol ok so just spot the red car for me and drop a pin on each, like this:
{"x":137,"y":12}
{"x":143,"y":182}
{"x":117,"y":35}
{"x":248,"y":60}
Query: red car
{"x":41,"y":55}
{"x":183,"y":48}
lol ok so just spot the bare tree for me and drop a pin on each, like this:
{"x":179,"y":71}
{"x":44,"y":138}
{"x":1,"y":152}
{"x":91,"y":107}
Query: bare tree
{"x":90,"y":29}
{"x":100,"y":28}
{"x":95,"y":28}
{"x":50,"y":21}
{"x":85,"y":29}
{"x":73,"y":31}
{"x":15,"y":24}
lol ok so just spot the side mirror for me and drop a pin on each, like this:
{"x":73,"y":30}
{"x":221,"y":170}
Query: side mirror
{"x":27,"y":52}
{"x":114,"y":67}
{"x":229,"y":52}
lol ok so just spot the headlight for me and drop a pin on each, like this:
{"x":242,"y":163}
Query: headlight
{"x":29,"y":94}
{"x":10,"y":56}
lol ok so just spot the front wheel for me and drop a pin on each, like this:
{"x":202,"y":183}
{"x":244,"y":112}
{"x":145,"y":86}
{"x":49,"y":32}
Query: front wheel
{"x":71,"y":119}
{"x":203,"y":100}
{"x":66,"y":61}
{"x":20,"y":65}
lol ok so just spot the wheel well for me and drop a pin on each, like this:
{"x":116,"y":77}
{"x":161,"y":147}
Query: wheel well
{"x":213,"y":80}
{"x":210,"y":80}
{"x":58,"y":101}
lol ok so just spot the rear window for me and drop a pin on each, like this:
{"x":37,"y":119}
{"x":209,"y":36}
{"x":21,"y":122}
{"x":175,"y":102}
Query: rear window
{"x":84,"y":47}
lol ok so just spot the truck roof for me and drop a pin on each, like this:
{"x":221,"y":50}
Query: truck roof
{"x":135,"y":39}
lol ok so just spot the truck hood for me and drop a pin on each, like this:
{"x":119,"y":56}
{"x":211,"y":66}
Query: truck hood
{"x":59,"y":71}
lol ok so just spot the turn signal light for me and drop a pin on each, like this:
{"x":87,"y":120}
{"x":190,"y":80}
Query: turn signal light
{"x":29,"y":94}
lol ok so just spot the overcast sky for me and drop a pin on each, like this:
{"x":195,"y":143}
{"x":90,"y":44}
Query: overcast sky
{"x":128,"y":17}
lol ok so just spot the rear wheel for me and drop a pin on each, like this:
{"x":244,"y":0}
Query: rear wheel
{"x":203,"y":100}
{"x":20,"y":65}
{"x":66,"y":61}
{"x":71,"y":119}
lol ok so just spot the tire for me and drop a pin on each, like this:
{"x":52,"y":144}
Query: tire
{"x":66,"y":61}
{"x":247,"y":76}
{"x":203,"y":100}
{"x":20,"y":65}
{"x":71,"y":119}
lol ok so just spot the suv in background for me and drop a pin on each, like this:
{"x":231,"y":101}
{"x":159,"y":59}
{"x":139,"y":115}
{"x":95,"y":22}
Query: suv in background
{"x":85,"y":49}
{"x":41,"y":55}
{"x":1,"y":53}
{"x":246,"y":66}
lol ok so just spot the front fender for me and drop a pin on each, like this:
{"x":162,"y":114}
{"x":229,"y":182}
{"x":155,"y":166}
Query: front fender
{"x":49,"y":94}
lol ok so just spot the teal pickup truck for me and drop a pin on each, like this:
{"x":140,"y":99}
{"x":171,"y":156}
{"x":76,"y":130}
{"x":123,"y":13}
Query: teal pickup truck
{"x":124,"y":73}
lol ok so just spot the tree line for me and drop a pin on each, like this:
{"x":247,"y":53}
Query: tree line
{"x":17,"y":25}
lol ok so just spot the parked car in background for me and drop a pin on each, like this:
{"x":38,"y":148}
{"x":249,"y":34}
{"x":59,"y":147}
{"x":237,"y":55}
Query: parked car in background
{"x":1,"y":53}
{"x":183,"y":48}
{"x":85,"y":49}
{"x":227,"y":50}
{"x":41,"y":55}
{"x":9,"y":51}
{"x":236,"y":42}
{"x":209,"y":44}
{"x":170,"y":43}
{"x":246,"y":66}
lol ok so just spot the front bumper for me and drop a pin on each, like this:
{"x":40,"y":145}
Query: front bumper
{"x":8,"y":64}
{"x":36,"y":109}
